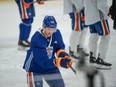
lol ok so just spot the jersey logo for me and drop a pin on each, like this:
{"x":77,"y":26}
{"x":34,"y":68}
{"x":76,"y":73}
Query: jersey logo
{"x":55,"y":41}
{"x":49,"y":51}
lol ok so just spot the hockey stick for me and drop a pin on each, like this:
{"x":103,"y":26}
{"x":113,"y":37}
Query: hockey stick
{"x":72,"y":68}
{"x":33,"y":2}
{"x":36,"y":2}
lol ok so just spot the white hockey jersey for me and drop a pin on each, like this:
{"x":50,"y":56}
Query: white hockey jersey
{"x":95,"y":10}
{"x":72,"y":6}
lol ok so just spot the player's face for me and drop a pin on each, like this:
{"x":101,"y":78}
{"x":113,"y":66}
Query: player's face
{"x":49,"y":31}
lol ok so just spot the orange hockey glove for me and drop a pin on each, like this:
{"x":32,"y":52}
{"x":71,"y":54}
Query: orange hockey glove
{"x":63,"y":62}
{"x":62,"y":53}
{"x":27,"y":5}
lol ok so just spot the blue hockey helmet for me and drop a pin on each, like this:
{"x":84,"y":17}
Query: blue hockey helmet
{"x":50,"y":22}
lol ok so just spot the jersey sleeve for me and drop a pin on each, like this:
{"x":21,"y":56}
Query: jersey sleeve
{"x":60,"y":42}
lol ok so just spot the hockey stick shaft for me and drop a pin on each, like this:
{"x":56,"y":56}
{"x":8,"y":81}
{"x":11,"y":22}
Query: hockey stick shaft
{"x":33,"y":2}
{"x":39,"y":2}
{"x":72,"y":68}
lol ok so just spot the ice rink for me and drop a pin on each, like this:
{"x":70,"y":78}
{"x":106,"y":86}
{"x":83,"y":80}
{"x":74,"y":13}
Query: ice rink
{"x":11,"y":59}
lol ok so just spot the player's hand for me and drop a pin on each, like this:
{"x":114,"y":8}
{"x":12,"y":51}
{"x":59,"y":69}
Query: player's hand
{"x":40,"y":2}
{"x":27,"y":5}
{"x":63,"y":62}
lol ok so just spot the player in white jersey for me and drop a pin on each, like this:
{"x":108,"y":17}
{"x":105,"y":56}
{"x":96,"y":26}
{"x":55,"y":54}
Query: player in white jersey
{"x":96,"y":18}
{"x":77,"y":39}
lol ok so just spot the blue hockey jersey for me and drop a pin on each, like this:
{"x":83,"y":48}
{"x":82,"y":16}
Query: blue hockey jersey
{"x":40,"y":57}
{"x":25,"y":13}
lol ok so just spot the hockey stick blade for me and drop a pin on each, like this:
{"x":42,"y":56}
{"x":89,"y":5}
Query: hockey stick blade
{"x":100,"y":68}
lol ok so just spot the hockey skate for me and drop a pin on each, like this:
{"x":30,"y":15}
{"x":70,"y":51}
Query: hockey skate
{"x":27,"y":42}
{"x":81,"y":52}
{"x":99,"y":63}
{"x":73,"y":54}
{"x":102,"y":62}
{"x":23,"y":45}
{"x":92,"y":59}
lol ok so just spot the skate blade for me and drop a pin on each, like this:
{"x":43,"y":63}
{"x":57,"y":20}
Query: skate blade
{"x":23,"y":48}
{"x":101,"y":67}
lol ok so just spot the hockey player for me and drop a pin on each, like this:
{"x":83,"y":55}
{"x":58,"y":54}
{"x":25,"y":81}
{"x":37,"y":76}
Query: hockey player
{"x":96,"y":17}
{"x":41,"y":61}
{"x":112,"y":13}
{"x":77,"y":39}
{"x":27,"y":13}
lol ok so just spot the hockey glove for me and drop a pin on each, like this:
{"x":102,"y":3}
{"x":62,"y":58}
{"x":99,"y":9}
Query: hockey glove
{"x":62,"y":53}
{"x":63,"y":62}
{"x":27,"y":5}
{"x":40,"y":2}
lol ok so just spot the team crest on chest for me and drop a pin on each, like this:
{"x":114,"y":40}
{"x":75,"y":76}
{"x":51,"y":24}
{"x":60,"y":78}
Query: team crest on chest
{"x":49,"y":51}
